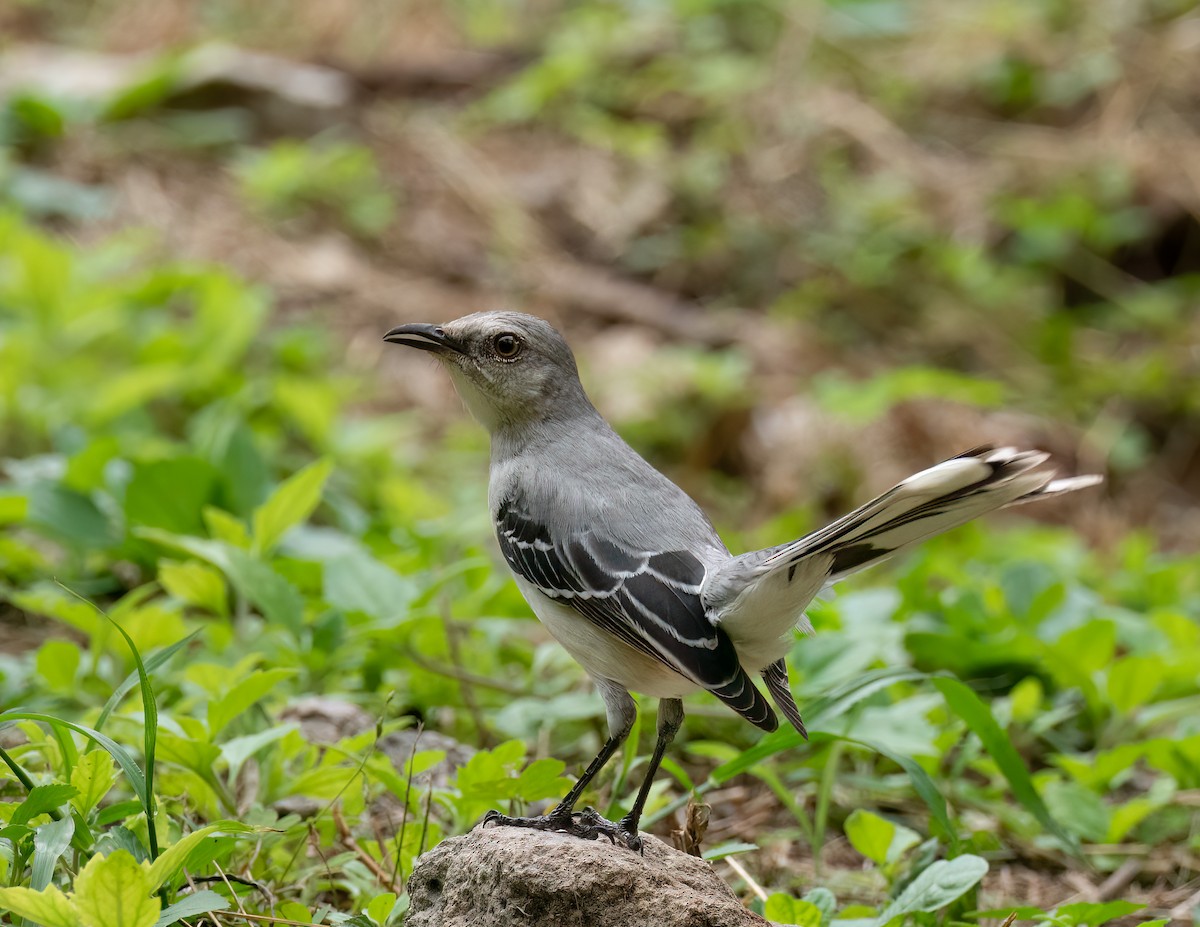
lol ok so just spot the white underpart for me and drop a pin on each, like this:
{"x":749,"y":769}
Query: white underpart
{"x":603,"y":655}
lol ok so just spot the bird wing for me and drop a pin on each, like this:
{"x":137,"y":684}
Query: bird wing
{"x":650,"y":600}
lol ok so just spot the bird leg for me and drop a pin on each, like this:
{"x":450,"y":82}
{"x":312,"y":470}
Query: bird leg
{"x":588,"y":823}
{"x":670,"y":717}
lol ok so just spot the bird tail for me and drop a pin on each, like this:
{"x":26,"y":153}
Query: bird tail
{"x":776,"y":678}
{"x":928,"y":503}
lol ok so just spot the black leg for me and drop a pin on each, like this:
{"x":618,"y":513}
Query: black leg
{"x":621,"y":712}
{"x":670,"y":717}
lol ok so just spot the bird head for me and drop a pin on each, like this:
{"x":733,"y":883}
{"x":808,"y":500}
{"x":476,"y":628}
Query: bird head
{"x":510,"y":369}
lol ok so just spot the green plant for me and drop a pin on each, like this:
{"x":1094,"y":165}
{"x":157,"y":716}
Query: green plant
{"x":293,"y":179}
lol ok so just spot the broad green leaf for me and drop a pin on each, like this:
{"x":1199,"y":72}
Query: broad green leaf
{"x":1093,"y":914}
{"x":358,"y":582}
{"x":12,"y":508}
{"x":226,"y":528}
{"x":294,"y":911}
{"x":968,"y":706}
{"x":1084,"y":812}
{"x":114,"y":891}
{"x":69,"y":516}
{"x":172,"y":859}
{"x":279,"y":601}
{"x":1133,"y":681}
{"x":53,"y":602}
{"x":169,"y":494}
{"x":195,"y":584}
{"x":936,"y":886}
{"x":291,"y":503}
{"x":200,"y":902}
{"x":238,"y":749}
{"x":93,"y":775}
{"x":50,"y":841}
{"x":380,"y":908}
{"x":57,"y":664}
{"x":540,"y":779}
{"x":825,"y":901}
{"x":188,"y":752}
{"x":42,"y":799}
{"x":870,"y":834}
{"x":242,"y":695}
{"x":48,"y":907}
{"x":786,"y":910}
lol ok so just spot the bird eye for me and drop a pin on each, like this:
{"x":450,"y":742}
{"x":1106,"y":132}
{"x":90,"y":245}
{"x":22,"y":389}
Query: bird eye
{"x":507,"y":346}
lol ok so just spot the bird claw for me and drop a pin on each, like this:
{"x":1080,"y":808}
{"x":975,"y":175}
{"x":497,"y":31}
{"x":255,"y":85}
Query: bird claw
{"x":587,"y":824}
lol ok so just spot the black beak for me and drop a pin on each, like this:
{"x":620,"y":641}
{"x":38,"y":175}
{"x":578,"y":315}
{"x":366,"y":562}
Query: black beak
{"x":426,"y":337}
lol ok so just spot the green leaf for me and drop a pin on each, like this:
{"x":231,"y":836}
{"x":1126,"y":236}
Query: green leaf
{"x":380,"y":908}
{"x":195,"y":584}
{"x":93,"y":776}
{"x":870,"y":834}
{"x":357,"y":582}
{"x":968,"y":706}
{"x":1133,"y":681}
{"x":227,"y":528}
{"x":1093,"y":914}
{"x":50,"y":841}
{"x":149,"y":730}
{"x":279,"y":601}
{"x":159,"y":658}
{"x":823,"y":710}
{"x":243,"y":694}
{"x":728,"y":848}
{"x":200,"y":902}
{"x":923,"y":785}
{"x":1084,"y":812}
{"x":69,"y":516}
{"x":114,"y":891}
{"x":57,"y":664}
{"x":48,"y":907}
{"x":936,"y":886}
{"x":292,"y":502}
{"x":12,"y":508}
{"x":825,"y":901}
{"x":786,"y":910}
{"x":136,"y":780}
{"x":167,"y":865}
{"x":42,"y":799}
{"x":170,"y":494}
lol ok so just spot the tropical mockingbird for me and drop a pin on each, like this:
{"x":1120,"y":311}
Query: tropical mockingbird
{"x":627,"y":572}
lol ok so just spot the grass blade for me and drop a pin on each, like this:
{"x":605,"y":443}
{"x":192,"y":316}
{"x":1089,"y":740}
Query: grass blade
{"x":922,"y":784}
{"x":152,"y":663}
{"x":968,"y":706}
{"x":123,"y":757}
{"x":149,"y":716}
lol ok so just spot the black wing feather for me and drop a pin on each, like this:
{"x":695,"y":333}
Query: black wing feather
{"x":649,"y":600}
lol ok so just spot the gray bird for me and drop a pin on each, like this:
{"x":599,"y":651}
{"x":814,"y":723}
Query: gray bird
{"x":627,"y":572}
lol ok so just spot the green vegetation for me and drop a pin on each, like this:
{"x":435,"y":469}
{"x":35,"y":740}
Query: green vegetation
{"x":210,"y":510}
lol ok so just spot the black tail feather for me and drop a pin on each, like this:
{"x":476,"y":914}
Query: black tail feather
{"x":776,"y":678}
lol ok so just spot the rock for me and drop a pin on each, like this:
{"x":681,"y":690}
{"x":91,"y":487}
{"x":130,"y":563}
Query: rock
{"x":503,"y":876}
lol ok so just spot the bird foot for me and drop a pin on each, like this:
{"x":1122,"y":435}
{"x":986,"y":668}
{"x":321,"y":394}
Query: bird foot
{"x":586,"y":824}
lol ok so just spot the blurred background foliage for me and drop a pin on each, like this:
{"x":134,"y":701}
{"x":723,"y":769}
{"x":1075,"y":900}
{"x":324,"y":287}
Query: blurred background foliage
{"x":802,"y":248}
